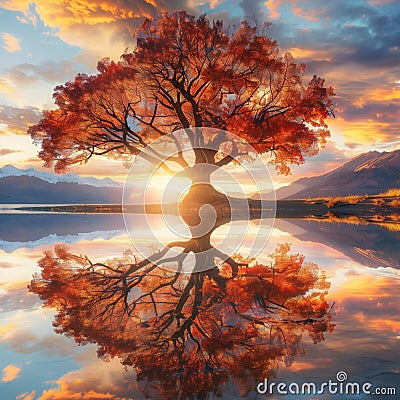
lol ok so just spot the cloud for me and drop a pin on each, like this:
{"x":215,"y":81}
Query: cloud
{"x":18,"y":120}
{"x":25,"y":74}
{"x":28,"y":16}
{"x":379,"y":111}
{"x":354,"y":45}
{"x":17,"y":298}
{"x":104,"y":28}
{"x":5,"y":86}
{"x":356,"y":48}
{"x":6,"y":265}
{"x":251,"y":8}
{"x":364,"y":134}
{"x":24,"y":342}
{"x":11,"y":42}
{"x":338,"y":34}
{"x":27,"y":396}
{"x":10,"y":372}
{"x":94,"y":380}
{"x":5,"y":152}
{"x":273,"y":8}
{"x":379,"y":2}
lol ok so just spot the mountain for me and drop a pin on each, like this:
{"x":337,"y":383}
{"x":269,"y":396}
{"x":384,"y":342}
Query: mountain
{"x":371,"y":245}
{"x":10,"y":170}
{"x":30,"y":230}
{"x":369,"y":173}
{"x":34,"y":187}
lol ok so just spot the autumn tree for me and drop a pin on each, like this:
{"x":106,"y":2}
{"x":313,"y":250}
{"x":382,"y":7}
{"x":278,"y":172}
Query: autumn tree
{"x":189,"y":72}
{"x":189,"y":333}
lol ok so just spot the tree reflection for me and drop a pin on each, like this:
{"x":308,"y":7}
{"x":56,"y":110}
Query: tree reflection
{"x":188,"y":335}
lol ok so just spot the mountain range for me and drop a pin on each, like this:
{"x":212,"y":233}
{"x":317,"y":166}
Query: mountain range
{"x":369,"y":173}
{"x":10,"y":170}
{"x":371,"y":245}
{"x":29,"y":186}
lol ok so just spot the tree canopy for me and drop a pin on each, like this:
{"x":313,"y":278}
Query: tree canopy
{"x":190,"y":333}
{"x":188,"y":72}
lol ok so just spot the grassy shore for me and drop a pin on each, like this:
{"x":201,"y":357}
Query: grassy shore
{"x":362,"y":208}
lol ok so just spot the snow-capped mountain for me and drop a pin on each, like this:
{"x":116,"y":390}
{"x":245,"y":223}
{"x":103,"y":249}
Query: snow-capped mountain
{"x":10,"y":170}
{"x":29,"y":186}
{"x":32,"y":230}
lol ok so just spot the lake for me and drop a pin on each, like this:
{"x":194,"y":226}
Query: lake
{"x":357,"y":334}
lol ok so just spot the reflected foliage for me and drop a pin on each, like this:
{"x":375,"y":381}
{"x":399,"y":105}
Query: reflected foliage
{"x":188,"y":335}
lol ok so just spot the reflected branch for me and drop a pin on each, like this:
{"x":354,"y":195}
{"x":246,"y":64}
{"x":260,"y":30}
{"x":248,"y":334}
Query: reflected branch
{"x":192,"y":333}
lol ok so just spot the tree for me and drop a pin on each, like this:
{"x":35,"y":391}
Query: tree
{"x":187,"y":72}
{"x":190,"y":333}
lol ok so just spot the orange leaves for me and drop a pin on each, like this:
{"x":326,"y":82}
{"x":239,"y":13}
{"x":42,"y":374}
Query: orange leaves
{"x":188,"y":71}
{"x":189,"y":333}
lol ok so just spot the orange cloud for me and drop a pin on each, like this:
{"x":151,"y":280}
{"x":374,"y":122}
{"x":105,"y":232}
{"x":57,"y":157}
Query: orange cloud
{"x":11,"y":42}
{"x":27,"y":396}
{"x":5,"y":330}
{"x":18,"y":119}
{"x":95,"y":379}
{"x":296,"y":8}
{"x":316,"y":55}
{"x":63,"y":392}
{"x":301,"y":366}
{"x":386,"y":94}
{"x":310,"y":15}
{"x":104,"y":28}
{"x":381,"y":324}
{"x":363,"y":133}
{"x":366,"y":286}
{"x":5,"y":86}
{"x":10,"y":372}
{"x":273,"y":7}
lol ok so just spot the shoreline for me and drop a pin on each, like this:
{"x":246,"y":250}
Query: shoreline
{"x":284,"y":209}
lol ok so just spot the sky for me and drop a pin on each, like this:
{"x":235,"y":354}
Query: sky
{"x":354,"y":45}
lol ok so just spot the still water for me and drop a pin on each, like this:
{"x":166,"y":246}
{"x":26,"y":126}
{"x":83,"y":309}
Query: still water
{"x":349,"y":277}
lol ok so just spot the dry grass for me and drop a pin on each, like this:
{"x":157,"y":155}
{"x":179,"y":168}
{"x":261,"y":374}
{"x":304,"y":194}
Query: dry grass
{"x":332,"y":218}
{"x":377,"y":199}
{"x":353,"y":199}
{"x":390,"y":222}
{"x":391,"y":227}
{"x":331,"y":201}
{"x":394,"y":192}
{"x":395,"y":217}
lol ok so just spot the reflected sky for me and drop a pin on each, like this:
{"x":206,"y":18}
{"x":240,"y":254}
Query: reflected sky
{"x":36,"y":363}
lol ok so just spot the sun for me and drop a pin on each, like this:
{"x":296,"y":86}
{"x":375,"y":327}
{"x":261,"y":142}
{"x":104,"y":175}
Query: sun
{"x":164,"y":188}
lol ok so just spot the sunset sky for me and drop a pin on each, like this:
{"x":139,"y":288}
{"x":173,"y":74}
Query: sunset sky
{"x":355,"y":45}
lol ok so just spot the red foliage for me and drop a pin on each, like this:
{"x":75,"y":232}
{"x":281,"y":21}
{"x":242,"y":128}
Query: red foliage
{"x":188,"y":72}
{"x":192,"y":334}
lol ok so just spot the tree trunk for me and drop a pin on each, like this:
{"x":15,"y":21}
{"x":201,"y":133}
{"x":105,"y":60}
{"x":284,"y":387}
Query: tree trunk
{"x":199,"y":195}
{"x":204,"y":193}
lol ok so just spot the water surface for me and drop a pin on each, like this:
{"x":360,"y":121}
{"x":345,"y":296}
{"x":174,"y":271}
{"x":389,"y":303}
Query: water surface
{"x":360,"y":262}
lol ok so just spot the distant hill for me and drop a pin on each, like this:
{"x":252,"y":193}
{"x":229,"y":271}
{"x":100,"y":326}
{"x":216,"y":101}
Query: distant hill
{"x":10,"y":170}
{"x":34,"y":187}
{"x":370,"y":245}
{"x":31,"y":228}
{"x":369,"y":173}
